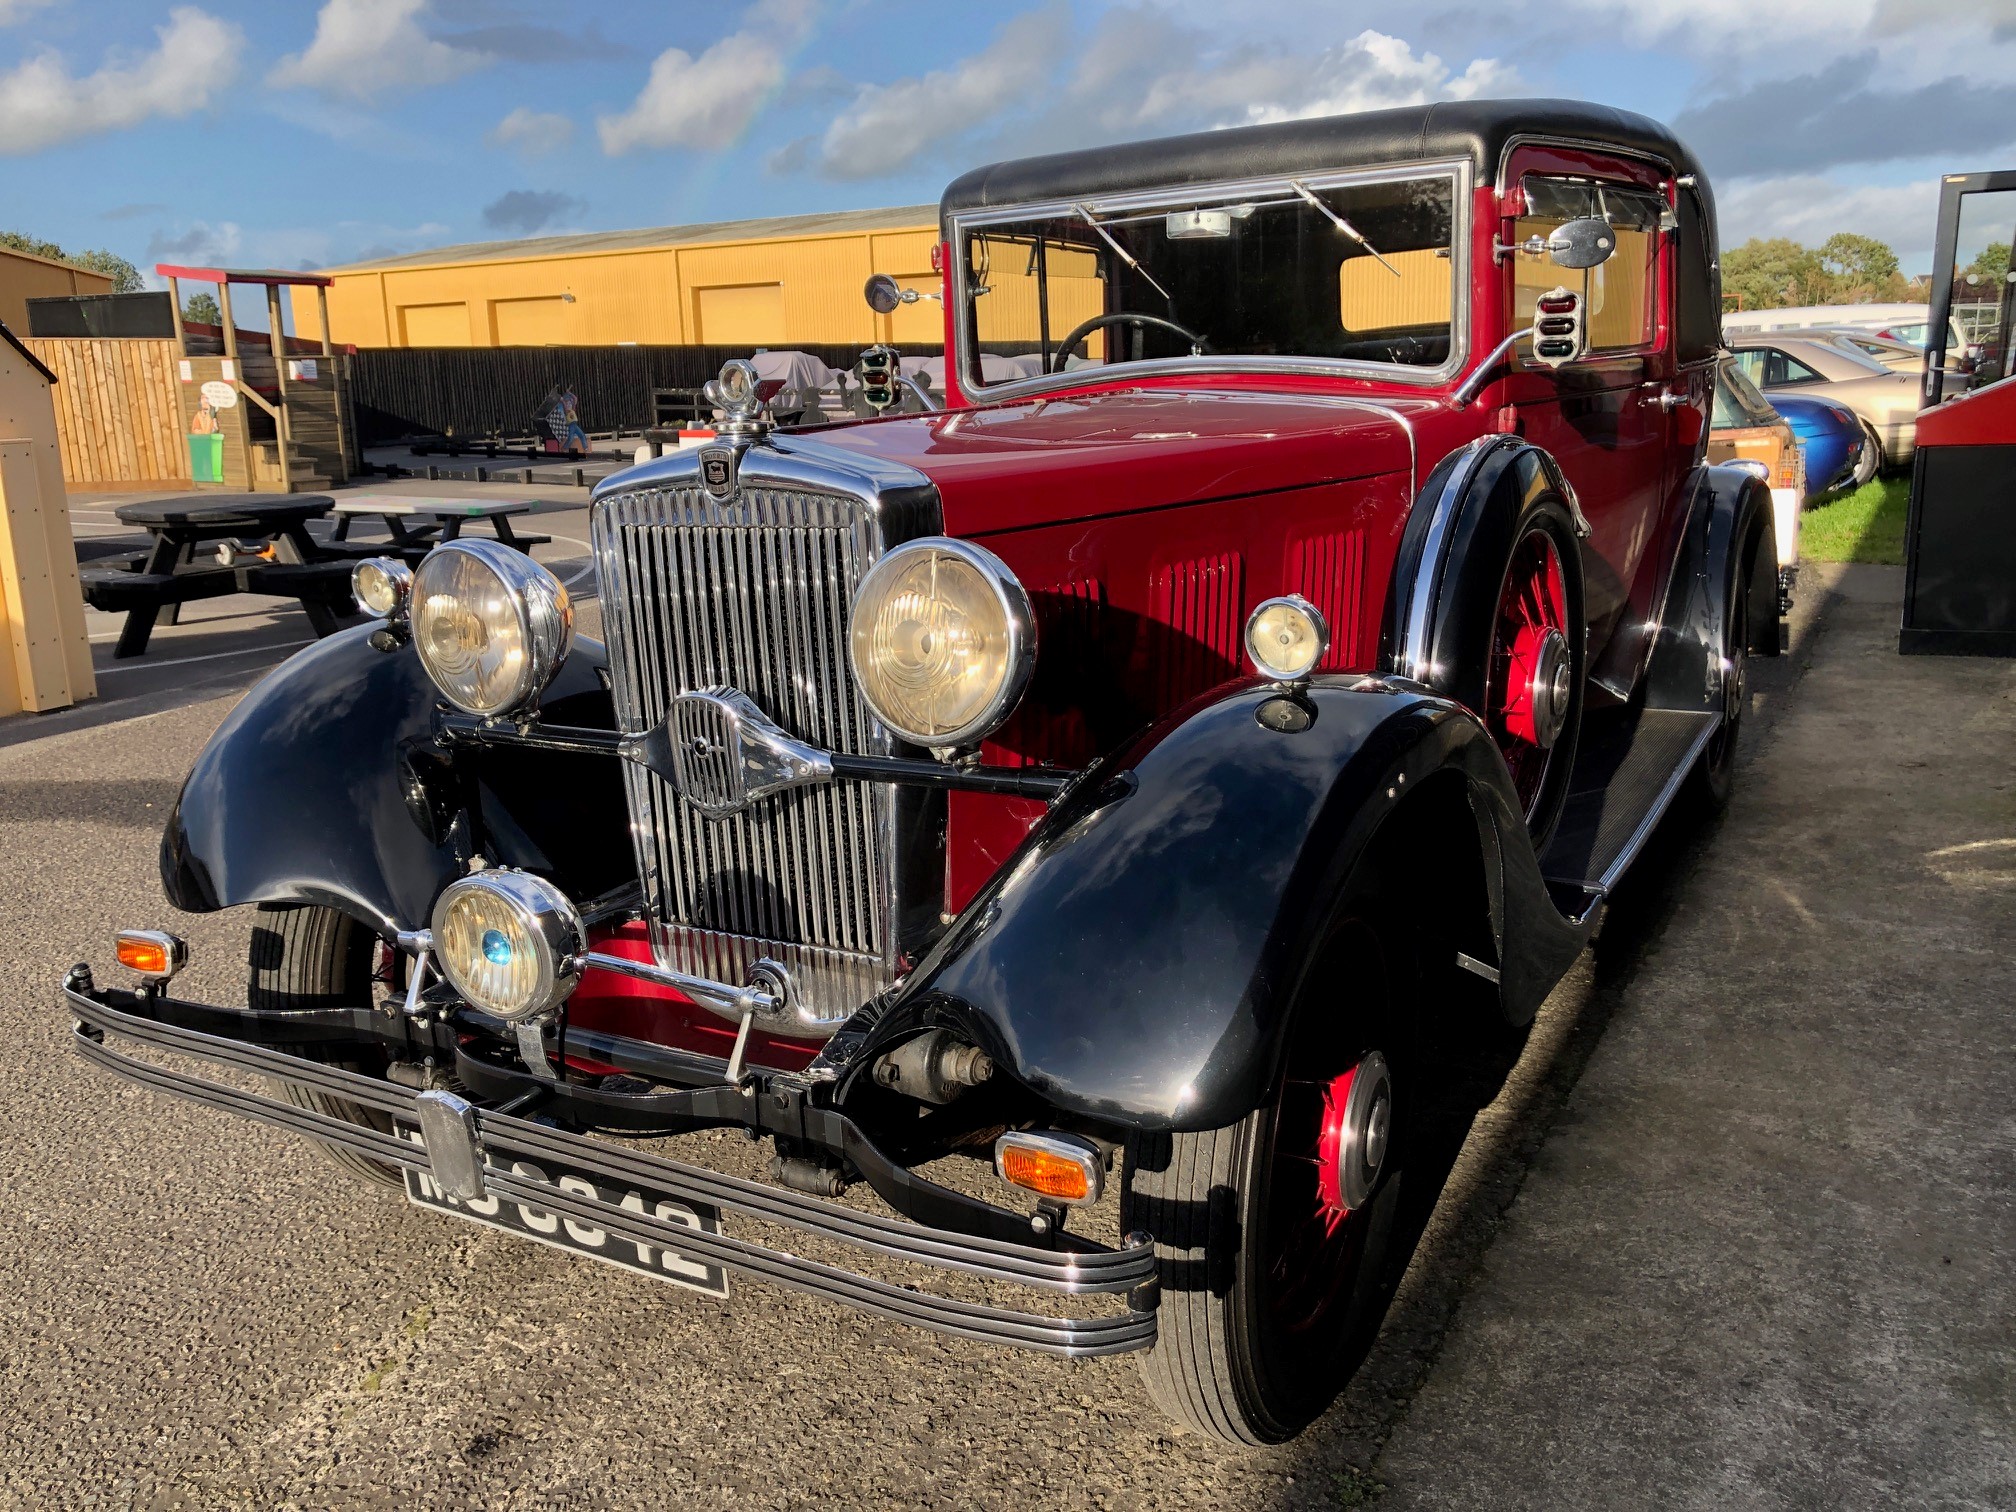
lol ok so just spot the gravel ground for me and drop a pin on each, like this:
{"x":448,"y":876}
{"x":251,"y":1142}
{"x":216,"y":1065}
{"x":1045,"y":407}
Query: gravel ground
{"x":200,"y":1313}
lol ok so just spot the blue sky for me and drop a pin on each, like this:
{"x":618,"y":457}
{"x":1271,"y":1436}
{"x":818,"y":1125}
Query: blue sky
{"x":299,"y":133}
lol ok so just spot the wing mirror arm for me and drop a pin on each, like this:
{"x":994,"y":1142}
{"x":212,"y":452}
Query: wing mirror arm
{"x":1467,"y":390}
{"x":885,"y":295}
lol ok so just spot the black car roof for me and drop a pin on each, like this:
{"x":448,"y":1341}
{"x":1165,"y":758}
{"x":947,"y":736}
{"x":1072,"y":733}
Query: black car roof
{"x":1480,"y":130}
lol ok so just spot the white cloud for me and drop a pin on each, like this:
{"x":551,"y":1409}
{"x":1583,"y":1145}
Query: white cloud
{"x":532,"y":132}
{"x":887,"y":125}
{"x":364,"y":46}
{"x":42,"y":103}
{"x":1038,"y":88}
{"x":1809,"y":208}
{"x":708,"y":102}
{"x":15,"y":10}
{"x":1372,"y":71}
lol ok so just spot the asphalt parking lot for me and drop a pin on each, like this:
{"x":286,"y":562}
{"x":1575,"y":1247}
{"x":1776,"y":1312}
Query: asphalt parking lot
{"x":1737,"y":1232}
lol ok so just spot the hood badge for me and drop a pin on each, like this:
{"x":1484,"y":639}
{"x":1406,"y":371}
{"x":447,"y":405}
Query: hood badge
{"x":742,"y":419}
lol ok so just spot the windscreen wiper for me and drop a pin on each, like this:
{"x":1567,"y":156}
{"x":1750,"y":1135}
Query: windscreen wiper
{"x":1122,"y":253}
{"x":1341,"y":224}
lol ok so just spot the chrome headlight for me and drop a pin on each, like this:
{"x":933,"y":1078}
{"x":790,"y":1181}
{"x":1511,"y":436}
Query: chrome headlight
{"x":1286,"y":638}
{"x":382,"y":585}
{"x":942,"y":641}
{"x":508,"y":941}
{"x":491,"y":625}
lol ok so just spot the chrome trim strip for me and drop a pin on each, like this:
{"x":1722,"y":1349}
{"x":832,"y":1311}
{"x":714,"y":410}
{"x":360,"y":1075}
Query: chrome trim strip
{"x":1103,"y":1272}
{"x":1460,"y":231}
{"x":1411,"y":656}
{"x":1653,"y":815}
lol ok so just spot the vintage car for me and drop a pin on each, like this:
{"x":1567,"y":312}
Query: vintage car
{"x":1075,"y":832}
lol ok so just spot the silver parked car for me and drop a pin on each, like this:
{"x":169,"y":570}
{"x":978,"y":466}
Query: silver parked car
{"x":1885,"y":402}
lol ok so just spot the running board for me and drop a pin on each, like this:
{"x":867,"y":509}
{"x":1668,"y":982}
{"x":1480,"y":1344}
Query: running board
{"x":1629,"y":766}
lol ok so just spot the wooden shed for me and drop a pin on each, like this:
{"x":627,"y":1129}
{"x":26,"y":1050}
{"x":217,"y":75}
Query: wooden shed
{"x":45,"y":652}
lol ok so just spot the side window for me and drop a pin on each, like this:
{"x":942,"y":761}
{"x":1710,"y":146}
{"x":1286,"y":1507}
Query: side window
{"x":1782,"y":370}
{"x":1622,"y":294}
{"x":1751,"y":365}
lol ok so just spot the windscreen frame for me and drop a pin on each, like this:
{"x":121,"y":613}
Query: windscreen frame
{"x":962,"y":224}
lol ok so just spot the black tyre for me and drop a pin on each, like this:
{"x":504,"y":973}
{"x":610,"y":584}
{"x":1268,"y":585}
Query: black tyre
{"x":1272,"y":1234}
{"x":1714,"y":776}
{"x":304,"y":956}
{"x":1870,"y":462}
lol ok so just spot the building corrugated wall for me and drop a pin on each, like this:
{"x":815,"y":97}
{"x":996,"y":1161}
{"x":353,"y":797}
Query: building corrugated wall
{"x":779,"y":282}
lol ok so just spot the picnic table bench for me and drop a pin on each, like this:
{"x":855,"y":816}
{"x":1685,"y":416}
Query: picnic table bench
{"x":418,"y":523}
{"x":291,"y":564}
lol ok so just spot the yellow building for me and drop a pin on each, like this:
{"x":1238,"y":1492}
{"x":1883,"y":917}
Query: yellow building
{"x":778,"y":282}
{"x":24,"y":276}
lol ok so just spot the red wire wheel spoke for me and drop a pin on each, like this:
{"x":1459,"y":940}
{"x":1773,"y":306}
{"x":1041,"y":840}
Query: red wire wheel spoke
{"x":1530,"y":628}
{"x":1315,"y":1237}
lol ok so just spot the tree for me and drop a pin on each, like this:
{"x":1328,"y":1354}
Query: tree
{"x":1858,"y":263}
{"x":202,"y":310}
{"x":125,"y":277}
{"x":1991,"y":266}
{"x":1770,"y":274}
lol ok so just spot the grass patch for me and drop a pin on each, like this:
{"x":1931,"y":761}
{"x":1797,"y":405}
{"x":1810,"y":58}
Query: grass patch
{"x":1864,"y":526}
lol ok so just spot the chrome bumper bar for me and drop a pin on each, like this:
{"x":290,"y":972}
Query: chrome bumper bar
{"x":1129,"y":1271}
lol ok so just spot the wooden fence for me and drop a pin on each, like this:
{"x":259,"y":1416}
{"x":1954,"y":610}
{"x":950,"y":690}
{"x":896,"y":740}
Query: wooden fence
{"x":118,"y":417}
{"x":477,"y":392}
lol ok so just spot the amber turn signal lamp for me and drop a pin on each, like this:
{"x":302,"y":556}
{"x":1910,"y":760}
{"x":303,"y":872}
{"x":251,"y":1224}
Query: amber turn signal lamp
{"x":151,"y":952}
{"x":1051,"y":1165}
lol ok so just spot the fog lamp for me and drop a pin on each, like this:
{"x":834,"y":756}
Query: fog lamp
{"x":382,"y":585}
{"x":1062,"y":1166}
{"x":942,"y":641}
{"x":491,"y":625}
{"x":1287,"y":637}
{"x":151,"y":952}
{"x":508,"y":942}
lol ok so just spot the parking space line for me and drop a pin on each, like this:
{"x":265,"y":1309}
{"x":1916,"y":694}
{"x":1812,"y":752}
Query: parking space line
{"x":183,"y":661}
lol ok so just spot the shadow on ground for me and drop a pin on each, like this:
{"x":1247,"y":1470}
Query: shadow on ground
{"x":140,"y":805}
{"x":1474,"y":1170}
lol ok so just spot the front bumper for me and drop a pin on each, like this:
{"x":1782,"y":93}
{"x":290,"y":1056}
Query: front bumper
{"x":1128,"y":1272}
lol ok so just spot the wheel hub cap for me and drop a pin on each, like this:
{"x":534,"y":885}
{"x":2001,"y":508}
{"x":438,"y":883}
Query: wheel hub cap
{"x":1357,"y":1124}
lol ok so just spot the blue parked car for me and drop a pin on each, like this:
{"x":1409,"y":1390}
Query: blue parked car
{"x":1831,"y":435}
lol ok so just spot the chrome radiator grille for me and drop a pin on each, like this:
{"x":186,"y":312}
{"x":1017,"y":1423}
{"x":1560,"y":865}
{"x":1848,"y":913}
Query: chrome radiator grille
{"x":753,"y":594}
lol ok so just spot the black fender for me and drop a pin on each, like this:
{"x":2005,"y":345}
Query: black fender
{"x":1446,"y":574}
{"x":326,"y":785}
{"x":1728,"y":535}
{"x":1135,"y":960}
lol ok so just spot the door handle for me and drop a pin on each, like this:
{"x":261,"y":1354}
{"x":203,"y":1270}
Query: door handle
{"x":1668,"y":399}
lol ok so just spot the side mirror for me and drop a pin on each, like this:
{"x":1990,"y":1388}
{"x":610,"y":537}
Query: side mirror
{"x":883,"y":294}
{"x":1560,"y":329}
{"x":1583,"y":243}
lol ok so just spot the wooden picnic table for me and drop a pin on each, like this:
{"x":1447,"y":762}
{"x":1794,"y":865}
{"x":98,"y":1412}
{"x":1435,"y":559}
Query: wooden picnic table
{"x":420,"y":522}
{"x":292,"y":564}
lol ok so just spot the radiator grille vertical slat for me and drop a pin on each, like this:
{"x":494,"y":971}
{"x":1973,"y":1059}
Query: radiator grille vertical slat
{"x":754,"y":595}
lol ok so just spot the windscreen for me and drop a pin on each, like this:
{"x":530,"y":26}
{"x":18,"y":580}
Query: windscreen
{"x":1361,"y":272}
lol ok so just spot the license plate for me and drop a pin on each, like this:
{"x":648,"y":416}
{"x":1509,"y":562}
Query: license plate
{"x":577,"y":1237}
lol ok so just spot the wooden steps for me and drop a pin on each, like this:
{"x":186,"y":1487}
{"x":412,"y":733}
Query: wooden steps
{"x":298,"y":474}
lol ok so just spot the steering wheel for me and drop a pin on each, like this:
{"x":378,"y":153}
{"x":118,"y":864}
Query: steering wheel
{"x":1198,"y":345}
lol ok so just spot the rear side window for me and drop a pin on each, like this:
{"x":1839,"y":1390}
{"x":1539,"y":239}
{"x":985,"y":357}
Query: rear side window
{"x":1769,"y":367}
{"x":1621,"y":294}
